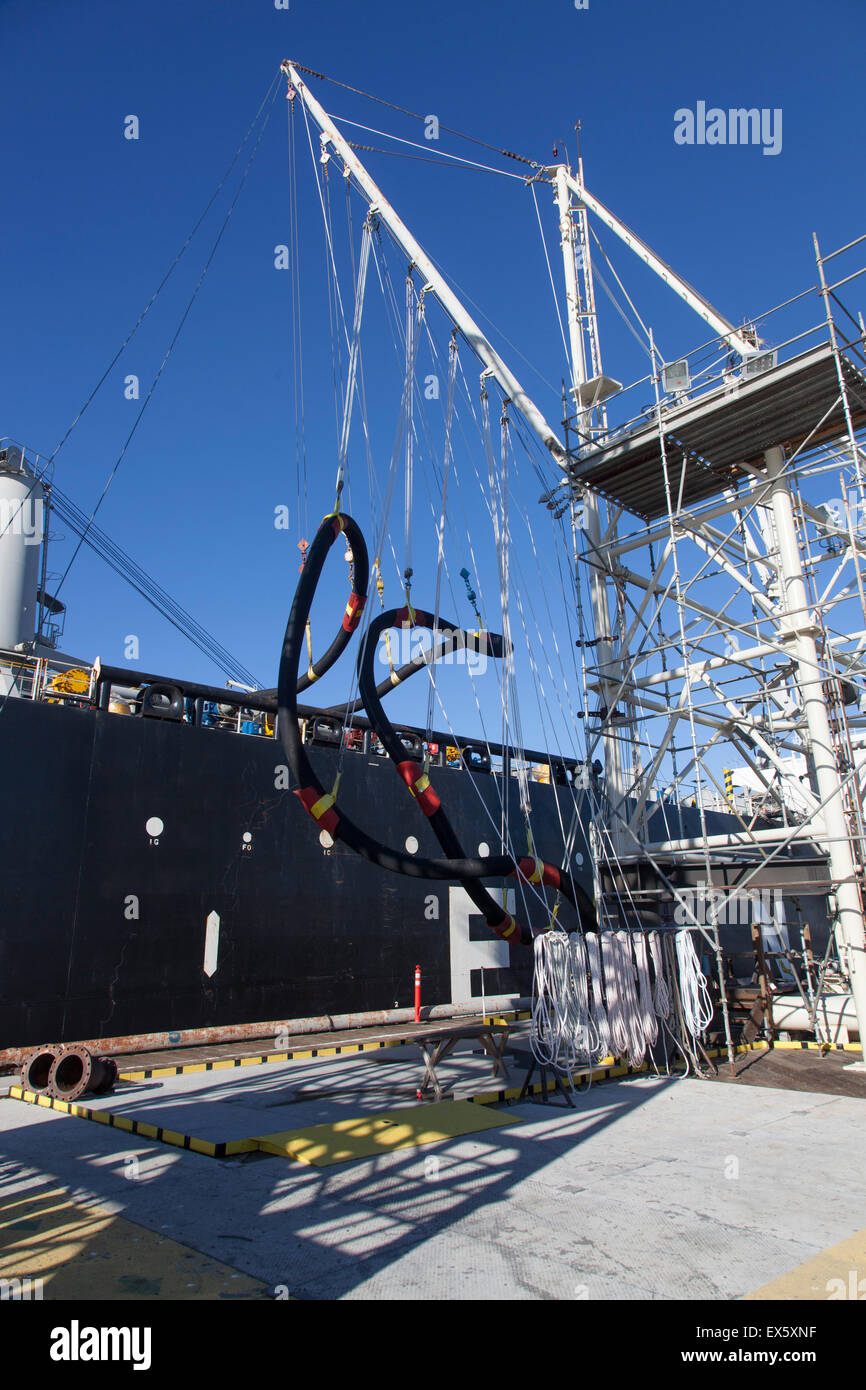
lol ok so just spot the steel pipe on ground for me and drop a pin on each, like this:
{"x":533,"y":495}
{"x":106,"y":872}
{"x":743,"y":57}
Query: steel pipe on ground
{"x":36,"y":1070}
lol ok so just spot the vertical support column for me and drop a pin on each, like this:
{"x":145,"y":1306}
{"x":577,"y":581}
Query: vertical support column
{"x":798,"y":632}
{"x":599,"y":583}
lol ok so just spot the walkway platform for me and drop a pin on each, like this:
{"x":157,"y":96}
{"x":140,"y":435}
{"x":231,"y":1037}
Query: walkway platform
{"x":711,"y":441}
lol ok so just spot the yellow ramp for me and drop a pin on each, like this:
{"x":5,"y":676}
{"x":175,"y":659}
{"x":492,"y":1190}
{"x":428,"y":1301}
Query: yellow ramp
{"x":838,"y":1273}
{"x":372,"y":1135}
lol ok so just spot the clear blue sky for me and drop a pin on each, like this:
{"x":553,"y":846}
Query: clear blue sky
{"x":91,"y":221}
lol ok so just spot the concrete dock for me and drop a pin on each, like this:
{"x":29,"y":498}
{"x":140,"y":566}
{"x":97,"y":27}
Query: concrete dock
{"x":651,"y":1188}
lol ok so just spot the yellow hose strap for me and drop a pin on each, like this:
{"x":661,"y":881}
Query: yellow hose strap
{"x":395,"y":680}
{"x":537,"y":876}
{"x":325,"y":802}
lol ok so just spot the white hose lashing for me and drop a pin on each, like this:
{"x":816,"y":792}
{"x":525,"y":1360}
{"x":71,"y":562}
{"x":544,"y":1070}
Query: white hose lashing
{"x":597,"y":994}
{"x":648,"y":1021}
{"x":661,"y":993}
{"x":694,"y":994}
{"x":629,"y":994}
{"x":597,"y":1005}
{"x":613,"y":993}
{"x":563,"y":1035}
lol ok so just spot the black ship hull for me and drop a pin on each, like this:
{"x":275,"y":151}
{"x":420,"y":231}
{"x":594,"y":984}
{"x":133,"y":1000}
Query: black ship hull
{"x":125,"y":837}
{"x":105,"y":921}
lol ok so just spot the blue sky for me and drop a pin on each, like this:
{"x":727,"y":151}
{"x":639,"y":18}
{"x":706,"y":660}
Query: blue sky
{"x":91,"y":221}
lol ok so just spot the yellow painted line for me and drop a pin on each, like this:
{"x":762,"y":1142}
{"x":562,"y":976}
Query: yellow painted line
{"x":59,"y":1248}
{"x":202,"y":1146}
{"x":147,"y":1130}
{"x":839,"y":1272}
{"x":171,"y":1136}
{"x":370,"y":1136}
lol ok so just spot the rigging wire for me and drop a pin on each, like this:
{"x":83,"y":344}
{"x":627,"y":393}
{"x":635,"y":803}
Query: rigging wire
{"x":439,"y":158}
{"x":149,"y":589}
{"x":297,"y":330}
{"x":473,"y":139}
{"x":270,"y":94}
{"x":148,"y":398}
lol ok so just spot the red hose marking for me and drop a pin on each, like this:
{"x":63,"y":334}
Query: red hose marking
{"x":549,"y":873}
{"x":412,"y":774}
{"x":506,"y":928}
{"x":552,"y":875}
{"x":354,"y":609}
{"x":403,"y":618}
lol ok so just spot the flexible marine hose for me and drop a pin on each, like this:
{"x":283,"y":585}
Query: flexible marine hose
{"x":322,"y":806}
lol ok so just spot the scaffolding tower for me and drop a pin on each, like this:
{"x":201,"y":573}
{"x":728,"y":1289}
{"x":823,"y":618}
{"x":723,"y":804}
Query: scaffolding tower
{"x":724,"y":530}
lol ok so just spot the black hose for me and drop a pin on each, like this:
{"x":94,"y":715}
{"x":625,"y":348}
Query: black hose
{"x":322,"y":805}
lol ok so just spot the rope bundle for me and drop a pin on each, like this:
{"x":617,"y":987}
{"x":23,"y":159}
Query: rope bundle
{"x":597,"y":1007}
{"x":697,"y":1005}
{"x":600,"y":993}
{"x":661,"y":993}
{"x":563,"y":1033}
{"x":646,"y":1012}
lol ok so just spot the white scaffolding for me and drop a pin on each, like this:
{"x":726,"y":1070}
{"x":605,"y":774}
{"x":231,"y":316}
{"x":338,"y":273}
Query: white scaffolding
{"x":732,"y":538}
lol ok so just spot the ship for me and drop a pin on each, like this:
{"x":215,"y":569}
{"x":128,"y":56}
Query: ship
{"x":171,"y":879}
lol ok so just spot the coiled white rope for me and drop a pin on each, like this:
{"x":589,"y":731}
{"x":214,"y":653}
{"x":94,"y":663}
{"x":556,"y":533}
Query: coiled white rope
{"x":661,"y":993}
{"x":646,"y":1011}
{"x":605,"y":992}
{"x":563,"y":1035}
{"x":597,"y":1006}
{"x":695,"y":996}
{"x":637,"y":1043}
{"x":613,"y":994}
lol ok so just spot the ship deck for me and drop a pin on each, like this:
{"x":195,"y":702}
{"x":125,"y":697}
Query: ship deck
{"x":665,"y":1188}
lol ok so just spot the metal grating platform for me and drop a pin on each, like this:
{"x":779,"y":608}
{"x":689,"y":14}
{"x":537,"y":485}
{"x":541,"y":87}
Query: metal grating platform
{"x":708,"y":442}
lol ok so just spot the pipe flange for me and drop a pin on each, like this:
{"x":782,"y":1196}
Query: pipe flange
{"x":36,"y":1069}
{"x":71,"y":1073}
